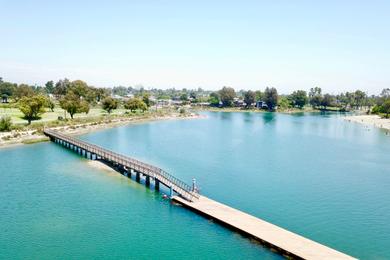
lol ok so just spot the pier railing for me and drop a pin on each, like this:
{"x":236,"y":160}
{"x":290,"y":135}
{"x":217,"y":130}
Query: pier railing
{"x":179,"y":186}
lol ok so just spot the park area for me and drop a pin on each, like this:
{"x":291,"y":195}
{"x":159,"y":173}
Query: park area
{"x":17,"y":116}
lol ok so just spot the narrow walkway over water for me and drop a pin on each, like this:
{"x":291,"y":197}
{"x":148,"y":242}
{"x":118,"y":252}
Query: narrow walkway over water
{"x":284,"y":241}
{"x":125,"y":164}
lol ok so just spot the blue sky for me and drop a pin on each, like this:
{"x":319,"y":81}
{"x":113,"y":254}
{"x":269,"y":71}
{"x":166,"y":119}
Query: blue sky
{"x":337,"y":45}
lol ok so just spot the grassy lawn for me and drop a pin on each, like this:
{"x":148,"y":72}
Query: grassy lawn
{"x":17,"y":116}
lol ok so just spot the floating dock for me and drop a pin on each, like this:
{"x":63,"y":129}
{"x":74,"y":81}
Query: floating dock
{"x":282,"y":240}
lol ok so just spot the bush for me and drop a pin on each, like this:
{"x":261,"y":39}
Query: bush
{"x":376,"y":109}
{"x":182,"y":111}
{"x":5,"y":124}
{"x":135,"y":104}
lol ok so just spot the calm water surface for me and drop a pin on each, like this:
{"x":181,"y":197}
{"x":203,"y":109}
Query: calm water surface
{"x":316,"y":175}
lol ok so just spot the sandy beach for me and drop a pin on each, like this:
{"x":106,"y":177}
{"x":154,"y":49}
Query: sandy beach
{"x":14,"y":138}
{"x":371,"y":120}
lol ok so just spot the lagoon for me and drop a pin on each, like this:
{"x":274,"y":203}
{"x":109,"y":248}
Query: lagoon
{"x":314,"y":174}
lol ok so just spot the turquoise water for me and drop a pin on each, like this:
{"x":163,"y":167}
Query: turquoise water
{"x":316,"y":175}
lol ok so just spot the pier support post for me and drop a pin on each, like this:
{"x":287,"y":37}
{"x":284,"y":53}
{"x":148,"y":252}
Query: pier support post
{"x":137,"y":176}
{"x":170,"y":192}
{"x":156,"y":184}
{"x":147,"y":181}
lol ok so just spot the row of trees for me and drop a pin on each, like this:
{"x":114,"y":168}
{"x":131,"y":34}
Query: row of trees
{"x":226,"y":97}
{"x":382,"y":104}
{"x":72,"y":96}
{"x":77,"y":97}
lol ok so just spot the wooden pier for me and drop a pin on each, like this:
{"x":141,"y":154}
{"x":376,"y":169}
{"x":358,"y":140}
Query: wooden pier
{"x":282,"y":240}
{"x":287,"y":243}
{"x":125,"y":164}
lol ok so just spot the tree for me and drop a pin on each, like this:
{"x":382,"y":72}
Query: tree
{"x":385,"y":93}
{"x":23,"y":90}
{"x":49,"y":87}
{"x":79,"y":87}
{"x":227,"y":96}
{"x":285,"y":102}
{"x":315,"y":97}
{"x":134,"y":104}
{"x":73,"y":104}
{"x":259,"y":95}
{"x":32,"y":106}
{"x":61,"y":87}
{"x":109,"y":104}
{"x":299,"y":98}
{"x":360,"y":97}
{"x":193,"y":95}
{"x":249,"y":98}
{"x":214,"y":99}
{"x":327,"y":101}
{"x":146,"y":99}
{"x":100,"y":93}
{"x":120,"y":91}
{"x":7,"y":88}
{"x":184,"y":97}
{"x":91,"y":96}
{"x":50,"y":104}
{"x":271,"y":97}
{"x":386,"y":107}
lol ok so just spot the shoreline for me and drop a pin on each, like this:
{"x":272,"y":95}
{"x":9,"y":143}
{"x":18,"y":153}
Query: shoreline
{"x":255,"y":110}
{"x":17,"y":138}
{"x":370,"y":120}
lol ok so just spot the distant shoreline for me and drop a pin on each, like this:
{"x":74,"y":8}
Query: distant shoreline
{"x":370,"y":120}
{"x":256,"y":110}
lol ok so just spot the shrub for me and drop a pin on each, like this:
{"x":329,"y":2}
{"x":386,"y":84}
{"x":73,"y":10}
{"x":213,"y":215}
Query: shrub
{"x":182,"y":111}
{"x":376,"y":109}
{"x":5,"y":123}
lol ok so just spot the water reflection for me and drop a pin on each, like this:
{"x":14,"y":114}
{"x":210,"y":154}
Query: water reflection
{"x":269,"y":117}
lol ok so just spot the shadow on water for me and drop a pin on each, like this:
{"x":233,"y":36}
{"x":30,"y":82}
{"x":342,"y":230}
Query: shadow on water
{"x":225,"y":115}
{"x":269,"y":118}
{"x":248,"y":117}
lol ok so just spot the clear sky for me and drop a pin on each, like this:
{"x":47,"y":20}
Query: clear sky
{"x":337,"y":45}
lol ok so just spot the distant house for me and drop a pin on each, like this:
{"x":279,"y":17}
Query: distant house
{"x":163,"y":102}
{"x":261,"y":105}
{"x":201,"y":104}
{"x":176,"y":102}
{"x":238,"y":102}
{"x":4,"y":98}
{"x":123,"y":98}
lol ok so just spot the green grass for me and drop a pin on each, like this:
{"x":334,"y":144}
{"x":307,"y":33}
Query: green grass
{"x":48,"y":116}
{"x":96,"y":115}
